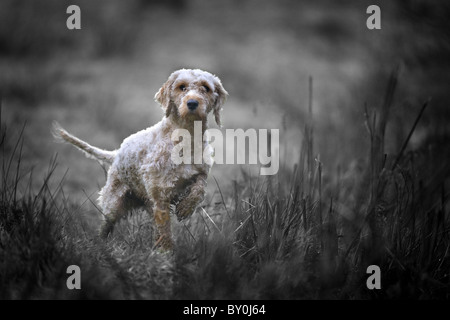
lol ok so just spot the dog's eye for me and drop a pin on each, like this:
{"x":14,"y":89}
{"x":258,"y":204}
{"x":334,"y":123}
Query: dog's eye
{"x":206,"y":88}
{"x":182,"y":87}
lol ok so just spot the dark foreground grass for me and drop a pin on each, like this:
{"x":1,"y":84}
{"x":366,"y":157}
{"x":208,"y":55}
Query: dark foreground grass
{"x":303,"y":234}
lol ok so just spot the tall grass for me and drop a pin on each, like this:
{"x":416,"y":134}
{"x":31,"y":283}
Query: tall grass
{"x":307,"y":233}
{"x":37,"y":241}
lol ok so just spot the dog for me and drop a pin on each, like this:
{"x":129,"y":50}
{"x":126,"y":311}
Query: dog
{"x":142,"y":173}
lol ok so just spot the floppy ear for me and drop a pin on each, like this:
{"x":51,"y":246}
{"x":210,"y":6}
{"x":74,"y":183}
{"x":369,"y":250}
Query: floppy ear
{"x":163,"y":97}
{"x":221,"y":97}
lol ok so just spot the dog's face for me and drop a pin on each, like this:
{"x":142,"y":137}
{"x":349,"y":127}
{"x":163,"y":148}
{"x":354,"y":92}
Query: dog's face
{"x":191,"y":95}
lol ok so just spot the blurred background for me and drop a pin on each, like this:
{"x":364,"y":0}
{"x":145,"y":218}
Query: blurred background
{"x":99,"y":82}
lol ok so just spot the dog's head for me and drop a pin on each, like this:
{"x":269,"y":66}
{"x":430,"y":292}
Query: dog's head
{"x":191,"y":95}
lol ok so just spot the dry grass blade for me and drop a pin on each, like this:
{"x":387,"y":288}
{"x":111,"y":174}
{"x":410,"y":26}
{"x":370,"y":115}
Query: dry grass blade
{"x":212,"y":221}
{"x":402,"y":150}
{"x":221,"y":195}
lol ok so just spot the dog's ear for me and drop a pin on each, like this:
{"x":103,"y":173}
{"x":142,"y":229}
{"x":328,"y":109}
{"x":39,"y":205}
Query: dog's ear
{"x":163,"y":96}
{"x":221,"y":97}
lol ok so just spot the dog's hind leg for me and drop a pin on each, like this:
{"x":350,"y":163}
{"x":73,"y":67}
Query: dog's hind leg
{"x":115,"y":205}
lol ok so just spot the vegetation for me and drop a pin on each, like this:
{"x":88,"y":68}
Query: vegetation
{"x":291,"y":236}
{"x":360,"y":183}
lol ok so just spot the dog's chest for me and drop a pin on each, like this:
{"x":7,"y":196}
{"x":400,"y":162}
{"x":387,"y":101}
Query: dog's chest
{"x":146,"y":163}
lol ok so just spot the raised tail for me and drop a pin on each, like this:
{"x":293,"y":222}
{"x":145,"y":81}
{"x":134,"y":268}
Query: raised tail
{"x":92,"y":152}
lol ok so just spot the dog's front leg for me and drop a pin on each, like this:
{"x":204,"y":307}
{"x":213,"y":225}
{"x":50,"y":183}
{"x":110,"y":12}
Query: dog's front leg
{"x":194,"y":197}
{"x":161,"y":215}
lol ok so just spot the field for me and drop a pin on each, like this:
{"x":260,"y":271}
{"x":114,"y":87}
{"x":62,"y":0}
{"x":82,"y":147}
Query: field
{"x":364,"y":149}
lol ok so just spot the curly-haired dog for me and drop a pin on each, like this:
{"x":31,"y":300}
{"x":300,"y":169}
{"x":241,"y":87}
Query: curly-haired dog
{"x":142,"y":173}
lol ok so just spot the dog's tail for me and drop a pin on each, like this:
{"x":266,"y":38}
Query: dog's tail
{"x":92,"y":152}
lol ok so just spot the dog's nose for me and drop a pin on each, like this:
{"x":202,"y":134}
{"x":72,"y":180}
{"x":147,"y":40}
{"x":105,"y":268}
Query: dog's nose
{"x":192,"y":104}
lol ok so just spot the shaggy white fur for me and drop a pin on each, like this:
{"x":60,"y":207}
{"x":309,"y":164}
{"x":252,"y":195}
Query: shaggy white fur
{"x":142,"y":173}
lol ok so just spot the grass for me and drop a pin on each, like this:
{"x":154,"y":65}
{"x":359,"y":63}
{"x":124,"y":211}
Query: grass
{"x":307,"y":233}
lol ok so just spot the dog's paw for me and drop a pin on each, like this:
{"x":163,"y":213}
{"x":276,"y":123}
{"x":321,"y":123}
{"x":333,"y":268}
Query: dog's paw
{"x":106,"y":229}
{"x":185,"y":208}
{"x":164,"y":244}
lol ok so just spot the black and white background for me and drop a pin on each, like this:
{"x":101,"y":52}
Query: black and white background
{"x":364,"y":128}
